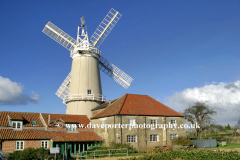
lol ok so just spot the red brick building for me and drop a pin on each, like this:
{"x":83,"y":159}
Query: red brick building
{"x":20,"y":130}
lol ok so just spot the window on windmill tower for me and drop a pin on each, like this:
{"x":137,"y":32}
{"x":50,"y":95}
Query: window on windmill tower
{"x":89,"y":91}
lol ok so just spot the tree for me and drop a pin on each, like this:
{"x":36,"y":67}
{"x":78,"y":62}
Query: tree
{"x":238,"y":124}
{"x":199,"y":114}
{"x":228,"y":127}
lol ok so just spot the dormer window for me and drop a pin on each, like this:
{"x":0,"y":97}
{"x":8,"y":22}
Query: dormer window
{"x":89,"y":91}
{"x":71,"y":127}
{"x":34,"y":123}
{"x":55,"y":122}
{"x":16,"y":124}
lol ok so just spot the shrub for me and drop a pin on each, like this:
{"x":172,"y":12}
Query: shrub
{"x":181,"y":141}
{"x":30,"y":154}
{"x":192,"y":154}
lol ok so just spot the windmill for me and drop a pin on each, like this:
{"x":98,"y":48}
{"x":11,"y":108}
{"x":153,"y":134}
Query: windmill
{"x":81,"y":90}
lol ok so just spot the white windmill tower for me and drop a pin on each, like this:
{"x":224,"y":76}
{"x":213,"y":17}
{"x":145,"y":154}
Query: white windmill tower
{"x":81,"y":90}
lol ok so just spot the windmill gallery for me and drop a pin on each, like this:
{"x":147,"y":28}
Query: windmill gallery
{"x":81,"y":91}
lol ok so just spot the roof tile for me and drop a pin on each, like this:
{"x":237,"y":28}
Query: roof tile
{"x":22,"y":116}
{"x":62,"y":136}
{"x":23,"y":134}
{"x":133,"y":104}
{"x":56,"y":136}
{"x":65,"y":118}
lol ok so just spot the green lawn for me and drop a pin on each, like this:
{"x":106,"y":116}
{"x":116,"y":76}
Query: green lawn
{"x":228,"y":146}
{"x":132,"y":154}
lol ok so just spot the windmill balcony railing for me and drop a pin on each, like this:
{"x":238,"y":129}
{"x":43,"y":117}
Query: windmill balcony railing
{"x":94,"y":50}
{"x":92,"y":97}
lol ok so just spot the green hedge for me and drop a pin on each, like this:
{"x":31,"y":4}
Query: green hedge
{"x":30,"y":154}
{"x":191,"y":155}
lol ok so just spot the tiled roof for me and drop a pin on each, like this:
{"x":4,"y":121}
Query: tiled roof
{"x":27,"y":117}
{"x":103,"y":105}
{"x":52,"y":132}
{"x":16,"y":117}
{"x":67,"y":118}
{"x":23,"y":116}
{"x":56,"y":136}
{"x":23,"y":134}
{"x":133,"y":104}
{"x":62,"y":136}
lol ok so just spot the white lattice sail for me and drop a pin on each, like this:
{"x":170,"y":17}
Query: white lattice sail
{"x":63,"y":90}
{"x":115,"y":73}
{"x":59,"y":36}
{"x":105,"y":27}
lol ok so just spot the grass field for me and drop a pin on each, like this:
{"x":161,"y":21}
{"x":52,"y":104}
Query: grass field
{"x":228,"y":146}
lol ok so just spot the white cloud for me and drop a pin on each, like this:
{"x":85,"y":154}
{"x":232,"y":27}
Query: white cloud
{"x":223,"y":97}
{"x":11,"y":93}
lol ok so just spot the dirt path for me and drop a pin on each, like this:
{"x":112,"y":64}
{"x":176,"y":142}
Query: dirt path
{"x":230,"y":150}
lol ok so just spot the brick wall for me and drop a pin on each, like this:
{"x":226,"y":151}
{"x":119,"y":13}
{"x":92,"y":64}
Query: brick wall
{"x":10,"y":146}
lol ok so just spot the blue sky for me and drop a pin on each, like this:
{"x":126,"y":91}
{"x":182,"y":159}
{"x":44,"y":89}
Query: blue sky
{"x":176,"y":51}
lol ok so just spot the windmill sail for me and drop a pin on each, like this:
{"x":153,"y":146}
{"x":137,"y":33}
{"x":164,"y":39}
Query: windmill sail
{"x":115,"y":73}
{"x":63,"y":90}
{"x":105,"y":27}
{"x":59,"y":36}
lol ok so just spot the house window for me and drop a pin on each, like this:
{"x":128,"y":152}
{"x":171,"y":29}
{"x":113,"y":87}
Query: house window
{"x":154,"y":138}
{"x":131,"y":122}
{"x":16,"y":125}
{"x":34,"y":123}
{"x":44,"y":144}
{"x":153,"y":122}
{"x":19,"y":145}
{"x":103,"y":123}
{"x":173,"y":121}
{"x":55,"y":122}
{"x":71,"y":127}
{"x":89,"y":91}
{"x":172,"y":136}
{"x":131,"y":138}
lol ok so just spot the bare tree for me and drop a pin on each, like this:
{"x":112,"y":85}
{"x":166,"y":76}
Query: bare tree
{"x":238,"y":124}
{"x":199,"y":114}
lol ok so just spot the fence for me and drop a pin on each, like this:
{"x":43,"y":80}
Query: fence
{"x":102,"y":153}
{"x":205,"y":143}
